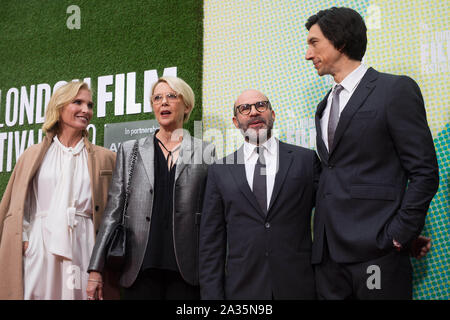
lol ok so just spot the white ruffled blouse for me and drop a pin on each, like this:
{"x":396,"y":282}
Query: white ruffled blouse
{"x":61,"y":189}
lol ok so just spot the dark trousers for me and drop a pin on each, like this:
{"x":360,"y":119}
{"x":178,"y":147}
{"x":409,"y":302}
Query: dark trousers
{"x":158,"y":284}
{"x":385,"y":278}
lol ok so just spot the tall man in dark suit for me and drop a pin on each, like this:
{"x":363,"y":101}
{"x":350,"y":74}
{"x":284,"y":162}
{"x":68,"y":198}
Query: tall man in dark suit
{"x":379,"y":167}
{"x":255,"y":233}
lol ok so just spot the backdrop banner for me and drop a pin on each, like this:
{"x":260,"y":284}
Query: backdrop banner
{"x":116,"y":133}
{"x":119,"y":48}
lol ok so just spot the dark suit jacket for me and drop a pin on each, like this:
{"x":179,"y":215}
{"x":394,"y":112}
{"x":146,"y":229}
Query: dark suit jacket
{"x":382,"y":144}
{"x":245,"y":254}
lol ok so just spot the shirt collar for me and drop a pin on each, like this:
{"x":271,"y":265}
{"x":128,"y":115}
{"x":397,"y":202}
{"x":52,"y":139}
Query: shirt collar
{"x":270,"y":145}
{"x":352,"y":80}
{"x":72,"y":150}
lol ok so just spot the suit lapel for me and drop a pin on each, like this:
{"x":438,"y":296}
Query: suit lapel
{"x":321,"y":147}
{"x":322,"y":105}
{"x":284,"y":162}
{"x":361,"y":93}
{"x":237,"y":170}
{"x":147,"y":152}
{"x":185,"y":155}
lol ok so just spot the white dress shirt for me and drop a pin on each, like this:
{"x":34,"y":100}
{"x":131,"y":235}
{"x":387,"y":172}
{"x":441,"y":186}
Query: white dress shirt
{"x":270,"y":150}
{"x":349,"y":84}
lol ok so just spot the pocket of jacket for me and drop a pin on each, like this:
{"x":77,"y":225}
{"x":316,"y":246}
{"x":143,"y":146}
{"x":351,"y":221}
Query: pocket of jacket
{"x":373,"y":192}
{"x":7,"y":218}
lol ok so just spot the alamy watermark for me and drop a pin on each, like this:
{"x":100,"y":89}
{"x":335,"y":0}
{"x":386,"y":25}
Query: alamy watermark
{"x":374,"y":280}
{"x":74,"y":20}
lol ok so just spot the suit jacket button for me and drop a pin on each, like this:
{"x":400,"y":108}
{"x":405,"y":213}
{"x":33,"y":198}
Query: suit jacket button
{"x":267,"y":225}
{"x":267,"y":254}
{"x":151,"y":190}
{"x":147,"y":218}
{"x":96,"y":208}
{"x":331,"y":166}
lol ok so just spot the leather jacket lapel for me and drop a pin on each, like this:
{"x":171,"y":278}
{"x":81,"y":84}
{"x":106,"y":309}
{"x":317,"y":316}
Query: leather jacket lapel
{"x":185,"y":156}
{"x":147,"y":153}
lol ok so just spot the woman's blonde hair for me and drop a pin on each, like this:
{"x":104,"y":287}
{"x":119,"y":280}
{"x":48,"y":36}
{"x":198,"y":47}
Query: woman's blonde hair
{"x":60,"y":98}
{"x":180,"y":87}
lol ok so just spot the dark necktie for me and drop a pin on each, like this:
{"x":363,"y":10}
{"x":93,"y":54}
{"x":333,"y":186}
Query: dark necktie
{"x":259,"y":180}
{"x":334,"y":115}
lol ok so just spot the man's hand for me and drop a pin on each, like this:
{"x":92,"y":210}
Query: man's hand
{"x":420,"y":247}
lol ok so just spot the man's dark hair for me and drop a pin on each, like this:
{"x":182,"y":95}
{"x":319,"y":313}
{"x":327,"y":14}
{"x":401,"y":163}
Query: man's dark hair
{"x":345,"y":29}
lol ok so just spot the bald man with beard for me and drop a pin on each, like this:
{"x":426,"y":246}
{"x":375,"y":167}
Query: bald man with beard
{"x":255,"y":233}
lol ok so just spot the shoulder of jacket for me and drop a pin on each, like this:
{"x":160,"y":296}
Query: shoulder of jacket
{"x":230,"y":159}
{"x":31,"y":150}
{"x":197,"y":140}
{"x":128,"y":145}
{"x":393,"y":78}
{"x":204,"y":144}
{"x":295,"y":148}
{"x":394,"y":83}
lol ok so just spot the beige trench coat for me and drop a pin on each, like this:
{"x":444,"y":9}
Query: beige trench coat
{"x":101,"y":165}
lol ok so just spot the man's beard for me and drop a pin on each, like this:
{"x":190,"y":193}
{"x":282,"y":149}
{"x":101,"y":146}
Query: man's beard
{"x":257,"y":136}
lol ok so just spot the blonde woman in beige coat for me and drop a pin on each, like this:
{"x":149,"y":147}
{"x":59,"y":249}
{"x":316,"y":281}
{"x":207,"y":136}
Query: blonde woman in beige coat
{"x":53,"y":204}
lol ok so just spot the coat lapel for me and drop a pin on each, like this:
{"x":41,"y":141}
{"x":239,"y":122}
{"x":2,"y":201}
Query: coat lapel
{"x":321,"y":147}
{"x":91,"y":168}
{"x":361,"y":93}
{"x":284,"y":162}
{"x":185,"y":155}
{"x":147,"y":152}
{"x":237,"y":170}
